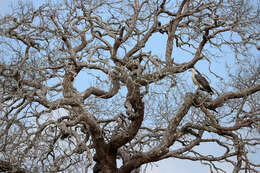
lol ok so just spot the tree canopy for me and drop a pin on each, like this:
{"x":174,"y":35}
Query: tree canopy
{"x":102,"y":85}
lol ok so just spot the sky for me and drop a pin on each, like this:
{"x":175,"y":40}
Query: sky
{"x":4,"y":6}
{"x":168,"y":165}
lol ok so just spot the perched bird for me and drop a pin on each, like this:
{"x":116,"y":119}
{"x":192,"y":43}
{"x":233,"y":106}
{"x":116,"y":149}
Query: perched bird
{"x":200,"y":81}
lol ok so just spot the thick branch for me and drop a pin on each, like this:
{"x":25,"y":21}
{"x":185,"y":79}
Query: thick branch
{"x":8,"y":167}
{"x":114,"y":88}
{"x":218,"y":102}
{"x":134,"y":100}
{"x":171,"y":32}
{"x":168,"y":139}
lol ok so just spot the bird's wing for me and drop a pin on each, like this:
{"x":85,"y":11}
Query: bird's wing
{"x":203,"y":82}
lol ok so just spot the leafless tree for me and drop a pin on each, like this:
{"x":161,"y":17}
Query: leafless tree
{"x":82,"y":89}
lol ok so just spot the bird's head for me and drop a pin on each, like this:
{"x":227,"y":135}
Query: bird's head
{"x":193,"y":70}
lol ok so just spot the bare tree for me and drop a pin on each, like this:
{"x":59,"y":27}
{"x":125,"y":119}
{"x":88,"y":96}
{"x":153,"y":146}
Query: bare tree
{"x":81,"y":89}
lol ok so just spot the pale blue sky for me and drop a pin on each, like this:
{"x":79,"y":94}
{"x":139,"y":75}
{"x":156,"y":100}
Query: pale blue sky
{"x":4,"y":6}
{"x":170,"y":165}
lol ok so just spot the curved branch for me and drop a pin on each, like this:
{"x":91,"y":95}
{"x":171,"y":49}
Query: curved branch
{"x":9,"y":167}
{"x":114,"y":88}
{"x":218,"y":102}
{"x":134,"y":100}
{"x":168,"y":139}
